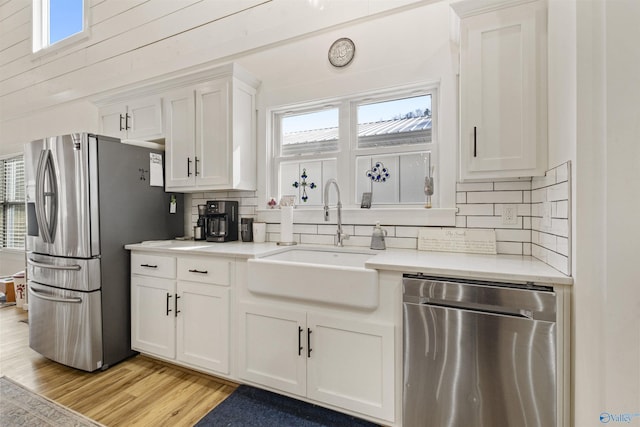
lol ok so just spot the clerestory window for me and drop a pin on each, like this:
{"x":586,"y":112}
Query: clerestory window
{"x":58,"y":22}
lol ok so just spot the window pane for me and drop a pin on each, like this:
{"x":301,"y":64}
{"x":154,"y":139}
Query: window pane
{"x":393,"y":178}
{"x":306,"y":180}
{"x":65,"y":19}
{"x":12,"y":208}
{"x":396,"y":122}
{"x":315,"y":132}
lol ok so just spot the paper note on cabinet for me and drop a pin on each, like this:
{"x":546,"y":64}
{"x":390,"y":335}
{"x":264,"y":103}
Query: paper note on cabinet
{"x":155,"y":170}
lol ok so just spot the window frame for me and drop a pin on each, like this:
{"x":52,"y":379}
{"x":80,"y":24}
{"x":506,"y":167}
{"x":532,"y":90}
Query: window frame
{"x":40,"y":29}
{"x":5,"y":204}
{"x":348,"y":151}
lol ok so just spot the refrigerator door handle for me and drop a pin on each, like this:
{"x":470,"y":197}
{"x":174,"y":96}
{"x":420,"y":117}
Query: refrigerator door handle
{"x":43,"y":296}
{"x":45,"y":170}
{"x":75,"y":267}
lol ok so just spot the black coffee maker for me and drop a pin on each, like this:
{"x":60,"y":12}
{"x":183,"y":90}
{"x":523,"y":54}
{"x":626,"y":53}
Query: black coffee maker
{"x":222,"y":221}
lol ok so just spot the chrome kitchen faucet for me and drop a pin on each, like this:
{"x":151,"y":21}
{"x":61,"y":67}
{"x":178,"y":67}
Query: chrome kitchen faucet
{"x":340,"y":235}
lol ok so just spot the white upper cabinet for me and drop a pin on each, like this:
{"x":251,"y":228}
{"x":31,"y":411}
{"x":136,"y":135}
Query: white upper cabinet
{"x":135,"y":119}
{"x":210,"y":139}
{"x":503,"y":102}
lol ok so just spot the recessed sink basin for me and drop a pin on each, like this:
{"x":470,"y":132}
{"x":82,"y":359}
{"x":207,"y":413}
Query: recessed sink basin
{"x":328,"y":276}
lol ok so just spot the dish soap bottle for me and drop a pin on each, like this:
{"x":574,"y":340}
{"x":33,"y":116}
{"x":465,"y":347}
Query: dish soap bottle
{"x":377,"y":237}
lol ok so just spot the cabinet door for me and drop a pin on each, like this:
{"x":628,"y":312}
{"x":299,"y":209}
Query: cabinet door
{"x":351,"y":365}
{"x":272,"y":347}
{"x":112,"y":121}
{"x":144,"y":119}
{"x":213,"y":139}
{"x":179,"y":142}
{"x":152,"y":315}
{"x":503,"y":99}
{"x":203,"y":326}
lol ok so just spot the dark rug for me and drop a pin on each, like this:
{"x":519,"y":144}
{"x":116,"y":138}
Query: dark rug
{"x":250,"y":406}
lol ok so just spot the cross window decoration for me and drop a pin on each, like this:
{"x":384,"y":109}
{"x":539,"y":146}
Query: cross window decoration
{"x":304,"y":184}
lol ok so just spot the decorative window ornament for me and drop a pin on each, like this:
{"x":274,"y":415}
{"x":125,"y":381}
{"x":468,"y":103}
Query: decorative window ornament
{"x":304,"y":184}
{"x":378,"y":173}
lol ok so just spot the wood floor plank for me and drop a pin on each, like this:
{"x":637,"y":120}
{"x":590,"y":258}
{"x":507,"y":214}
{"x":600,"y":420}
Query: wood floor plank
{"x":140,"y":391}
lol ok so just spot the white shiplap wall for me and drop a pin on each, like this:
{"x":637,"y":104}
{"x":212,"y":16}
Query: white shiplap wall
{"x":133,"y":41}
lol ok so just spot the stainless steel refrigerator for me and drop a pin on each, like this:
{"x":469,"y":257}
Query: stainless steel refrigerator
{"x":88,"y":196}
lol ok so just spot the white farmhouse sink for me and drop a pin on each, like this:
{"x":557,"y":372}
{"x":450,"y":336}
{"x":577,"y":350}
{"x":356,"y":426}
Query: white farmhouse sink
{"x":329,"y":276}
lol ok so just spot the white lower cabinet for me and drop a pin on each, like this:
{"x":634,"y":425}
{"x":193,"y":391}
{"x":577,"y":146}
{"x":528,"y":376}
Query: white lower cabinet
{"x":341,"y":361}
{"x":182,"y":320}
{"x":152,"y":318}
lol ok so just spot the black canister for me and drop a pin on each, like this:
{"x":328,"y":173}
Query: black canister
{"x":246,"y":229}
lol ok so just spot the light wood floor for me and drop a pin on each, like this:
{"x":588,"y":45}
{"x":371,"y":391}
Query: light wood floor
{"x":137,"y":392}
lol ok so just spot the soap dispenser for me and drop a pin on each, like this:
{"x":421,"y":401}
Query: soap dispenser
{"x":377,"y":237}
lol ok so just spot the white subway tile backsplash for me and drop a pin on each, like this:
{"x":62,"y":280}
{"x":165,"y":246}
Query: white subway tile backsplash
{"x":539,"y":195}
{"x":491,"y":222}
{"x":305,"y":228}
{"x":483,"y":209}
{"x":401,"y":243}
{"x":495,"y":197}
{"x":523,"y":236}
{"x":475,"y":186}
{"x":509,"y":248}
{"x":560,"y":209}
{"x":558,"y":192}
{"x":479,"y":205}
{"x":512,"y":185}
{"x":562,"y":245}
{"x":407,"y":232}
{"x":316,"y":239}
{"x":562,"y":172}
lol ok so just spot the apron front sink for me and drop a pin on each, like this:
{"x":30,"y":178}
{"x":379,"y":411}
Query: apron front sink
{"x":329,"y":276}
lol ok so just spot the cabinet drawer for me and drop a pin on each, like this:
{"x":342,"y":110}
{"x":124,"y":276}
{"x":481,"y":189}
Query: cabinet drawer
{"x":153,"y":265}
{"x":208,"y":270}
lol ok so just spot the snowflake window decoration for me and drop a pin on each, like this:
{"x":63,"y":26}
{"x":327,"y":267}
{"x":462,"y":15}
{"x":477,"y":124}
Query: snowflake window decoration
{"x":304,"y":184}
{"x":378,"y":173}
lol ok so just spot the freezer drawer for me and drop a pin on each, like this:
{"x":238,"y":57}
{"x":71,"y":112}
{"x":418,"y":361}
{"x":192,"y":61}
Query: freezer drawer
{"x":65,"y":326}
{"x":68,"y":273}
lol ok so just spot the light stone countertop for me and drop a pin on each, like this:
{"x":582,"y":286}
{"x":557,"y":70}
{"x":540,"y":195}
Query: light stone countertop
{"x":510,"y":268}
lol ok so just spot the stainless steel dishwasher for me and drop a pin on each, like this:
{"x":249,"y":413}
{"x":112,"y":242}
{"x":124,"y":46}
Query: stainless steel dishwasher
{"x":478,"y":354}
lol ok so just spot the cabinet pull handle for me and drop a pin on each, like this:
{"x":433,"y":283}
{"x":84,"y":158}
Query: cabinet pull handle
{"x":309,"y":342}
{"x":199,"y":271}
{"x":148,"y":266}
{"x":168,"y":309}
{"x":299,"y":341}
{"x":121,"y":128}
{"x":126,"y":121}
{"x":175,"y":306}
{"x":188,"y":166}
{"x":197,"y":165}
{"x":475,"y":142}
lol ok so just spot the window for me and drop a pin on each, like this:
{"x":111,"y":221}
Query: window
{"x":55,"y":21}
{"x":12,"y":203}
{"x":380,"y":143}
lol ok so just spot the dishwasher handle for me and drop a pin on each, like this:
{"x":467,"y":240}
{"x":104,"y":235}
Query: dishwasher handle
{"x":483,"y":308}
{"x":505,"y":299}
